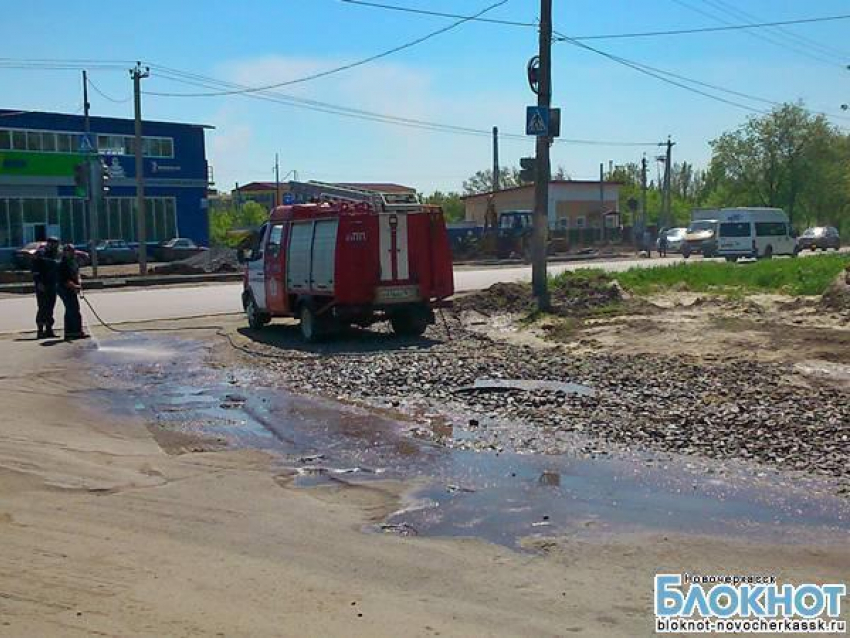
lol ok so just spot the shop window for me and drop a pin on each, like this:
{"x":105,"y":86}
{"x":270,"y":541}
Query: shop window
{"x":48,"y":142}
{"x":171,"y":218}
{"x":64,"y":142}
{"x":66,"y":226}
{"x":128,"y":220}
{"x":16,"y":229}
{"x":34,"y":211}
{"x":79,"y":223}
{"x":52,"y":211}
{"x":33,"y":141}
{"x":115,"y":231}
{"x":19,"y":140}
{"x":5,"y":140}
{"x":4,"y":224}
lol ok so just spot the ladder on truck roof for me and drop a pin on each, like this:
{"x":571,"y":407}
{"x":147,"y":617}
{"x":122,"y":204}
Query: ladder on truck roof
{"x":380,"y":201}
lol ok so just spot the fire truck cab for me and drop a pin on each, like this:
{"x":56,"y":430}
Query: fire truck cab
{"x":348,"y":257}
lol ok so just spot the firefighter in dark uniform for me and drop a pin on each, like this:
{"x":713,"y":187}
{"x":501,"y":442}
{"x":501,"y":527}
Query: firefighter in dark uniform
{"x":69,"y":290}
{"x":44,"y":269}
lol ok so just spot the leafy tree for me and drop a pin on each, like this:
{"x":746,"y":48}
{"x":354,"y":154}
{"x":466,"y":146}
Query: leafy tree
{"x":227,"y":221}
{"x":453,"y":208}
{"x":482,"y":181}
{"x":789,"y":158}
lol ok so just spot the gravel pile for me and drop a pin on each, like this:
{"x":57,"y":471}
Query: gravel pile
{"x":743,"y":410}
{"x":571,"y":297}
{"x":219,"y":259}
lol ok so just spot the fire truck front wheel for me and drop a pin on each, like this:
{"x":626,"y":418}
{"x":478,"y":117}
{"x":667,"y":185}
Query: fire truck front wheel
{"x":256,"y":318}
{"x":410,"y":322}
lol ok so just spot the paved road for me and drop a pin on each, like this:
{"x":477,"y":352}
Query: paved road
{"x":17,"y":314}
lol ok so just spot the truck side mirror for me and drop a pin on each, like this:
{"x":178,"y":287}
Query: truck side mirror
{"x":244,"y":255}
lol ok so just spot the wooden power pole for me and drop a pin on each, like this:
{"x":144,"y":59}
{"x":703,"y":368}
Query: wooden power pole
{"x":89,"y":201}
{"x":539,"y":282}
{"x":643,"y":214}
{"x":276,"y":181}
{"x":496,"y":170}
{"x":138,"y":75}
{"x":668,"y":169}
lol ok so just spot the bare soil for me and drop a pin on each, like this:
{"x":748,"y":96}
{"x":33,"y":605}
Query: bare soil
{"x":104,"y":533}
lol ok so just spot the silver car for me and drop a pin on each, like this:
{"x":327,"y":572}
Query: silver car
{"x":675,"y":238}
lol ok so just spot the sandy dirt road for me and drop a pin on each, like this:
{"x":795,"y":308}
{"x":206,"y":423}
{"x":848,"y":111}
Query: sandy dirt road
{"x":104,"y":533}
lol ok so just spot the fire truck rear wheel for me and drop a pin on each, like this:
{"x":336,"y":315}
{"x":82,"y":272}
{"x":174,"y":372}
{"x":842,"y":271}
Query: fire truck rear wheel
{"x":409,"y":323}
{"x":310,"y":328}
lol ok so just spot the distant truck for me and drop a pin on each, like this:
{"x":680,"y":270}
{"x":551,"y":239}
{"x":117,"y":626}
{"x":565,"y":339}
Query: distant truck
{"x":743,"y":232}
{"x":508,"y":237}
{"x":350,"y":256}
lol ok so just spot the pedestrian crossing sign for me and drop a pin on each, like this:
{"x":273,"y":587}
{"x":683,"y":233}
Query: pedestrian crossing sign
{"x":537,"y":121}
{"x":86,"y":143}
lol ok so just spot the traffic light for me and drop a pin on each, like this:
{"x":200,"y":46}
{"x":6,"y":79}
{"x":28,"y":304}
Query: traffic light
{"x":81,"y":181}
{"x":104,"y":179}
{"x":528,"y":167}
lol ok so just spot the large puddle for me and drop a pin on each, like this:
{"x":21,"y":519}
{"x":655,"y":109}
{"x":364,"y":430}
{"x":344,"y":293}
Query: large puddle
{"x":501,"y":497}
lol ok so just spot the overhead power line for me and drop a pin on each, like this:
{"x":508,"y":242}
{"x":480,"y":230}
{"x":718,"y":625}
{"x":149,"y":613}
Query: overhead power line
{"x":652,"y":73}
{"x":787,"y":34}
{"x":194,"y":79}
{"x":765,"y":37}
{"x":607,"y":36}
{"x":104,"y":95}
{"x":440,"y":14}
{"x":685,"y":82}
{"x":344,"y":67}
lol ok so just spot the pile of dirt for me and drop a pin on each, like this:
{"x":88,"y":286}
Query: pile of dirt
{"x":571,"y":296}
{"x":837,"y":296}
{"x":218,"y":259}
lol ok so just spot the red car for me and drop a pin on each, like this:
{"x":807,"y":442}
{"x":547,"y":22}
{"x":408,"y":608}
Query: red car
{"x":23,"y":256}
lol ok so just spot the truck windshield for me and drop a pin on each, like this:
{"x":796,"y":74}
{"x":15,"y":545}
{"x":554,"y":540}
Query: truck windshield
{"x":696,"y":227}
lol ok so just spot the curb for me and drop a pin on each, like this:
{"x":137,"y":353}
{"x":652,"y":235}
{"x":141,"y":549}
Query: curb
{"x":126,"y":282}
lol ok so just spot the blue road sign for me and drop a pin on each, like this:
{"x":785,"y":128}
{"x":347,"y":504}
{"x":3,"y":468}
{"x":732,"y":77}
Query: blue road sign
{"x":87,"y":143}
{"x":537,"y":121}
{"x":288,"y":199}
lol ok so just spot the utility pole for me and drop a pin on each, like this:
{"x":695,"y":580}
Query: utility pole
{"x":138,"y":75}
{"x":496,"y":170}
{"x":276,"y":181}
{"x":668,"y":160}
{"x":602,"y":200}
{"x":539,"y":275}
{"x":89,"y":202}
{"x":643,"y":214}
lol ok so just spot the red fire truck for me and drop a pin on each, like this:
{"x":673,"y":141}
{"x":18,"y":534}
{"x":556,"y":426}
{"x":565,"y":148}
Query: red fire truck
{"x":350,"y":256}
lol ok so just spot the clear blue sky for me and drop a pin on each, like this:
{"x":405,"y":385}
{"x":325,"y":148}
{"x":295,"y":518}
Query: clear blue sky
{"x":472,"y":76}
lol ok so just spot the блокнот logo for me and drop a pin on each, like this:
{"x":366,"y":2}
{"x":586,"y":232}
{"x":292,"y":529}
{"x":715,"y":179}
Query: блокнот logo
{"x":686,"y":603}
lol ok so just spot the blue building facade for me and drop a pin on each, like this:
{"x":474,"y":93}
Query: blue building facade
{"x":38,"y":198}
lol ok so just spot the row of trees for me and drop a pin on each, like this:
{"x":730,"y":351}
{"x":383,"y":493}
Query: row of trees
{"x":789,"y":158}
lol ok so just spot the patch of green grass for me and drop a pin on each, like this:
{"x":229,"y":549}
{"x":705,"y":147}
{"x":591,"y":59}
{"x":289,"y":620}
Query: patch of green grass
{"x":804,"y":276}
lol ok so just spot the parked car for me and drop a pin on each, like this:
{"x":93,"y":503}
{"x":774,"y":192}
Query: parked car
{"x":819,"y":237}
{"x":177,"y":249}
{"x":23,"y":256}
{"x":700,"y":237}
{"x":675,"y":239}
{"x":116,"y":251}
